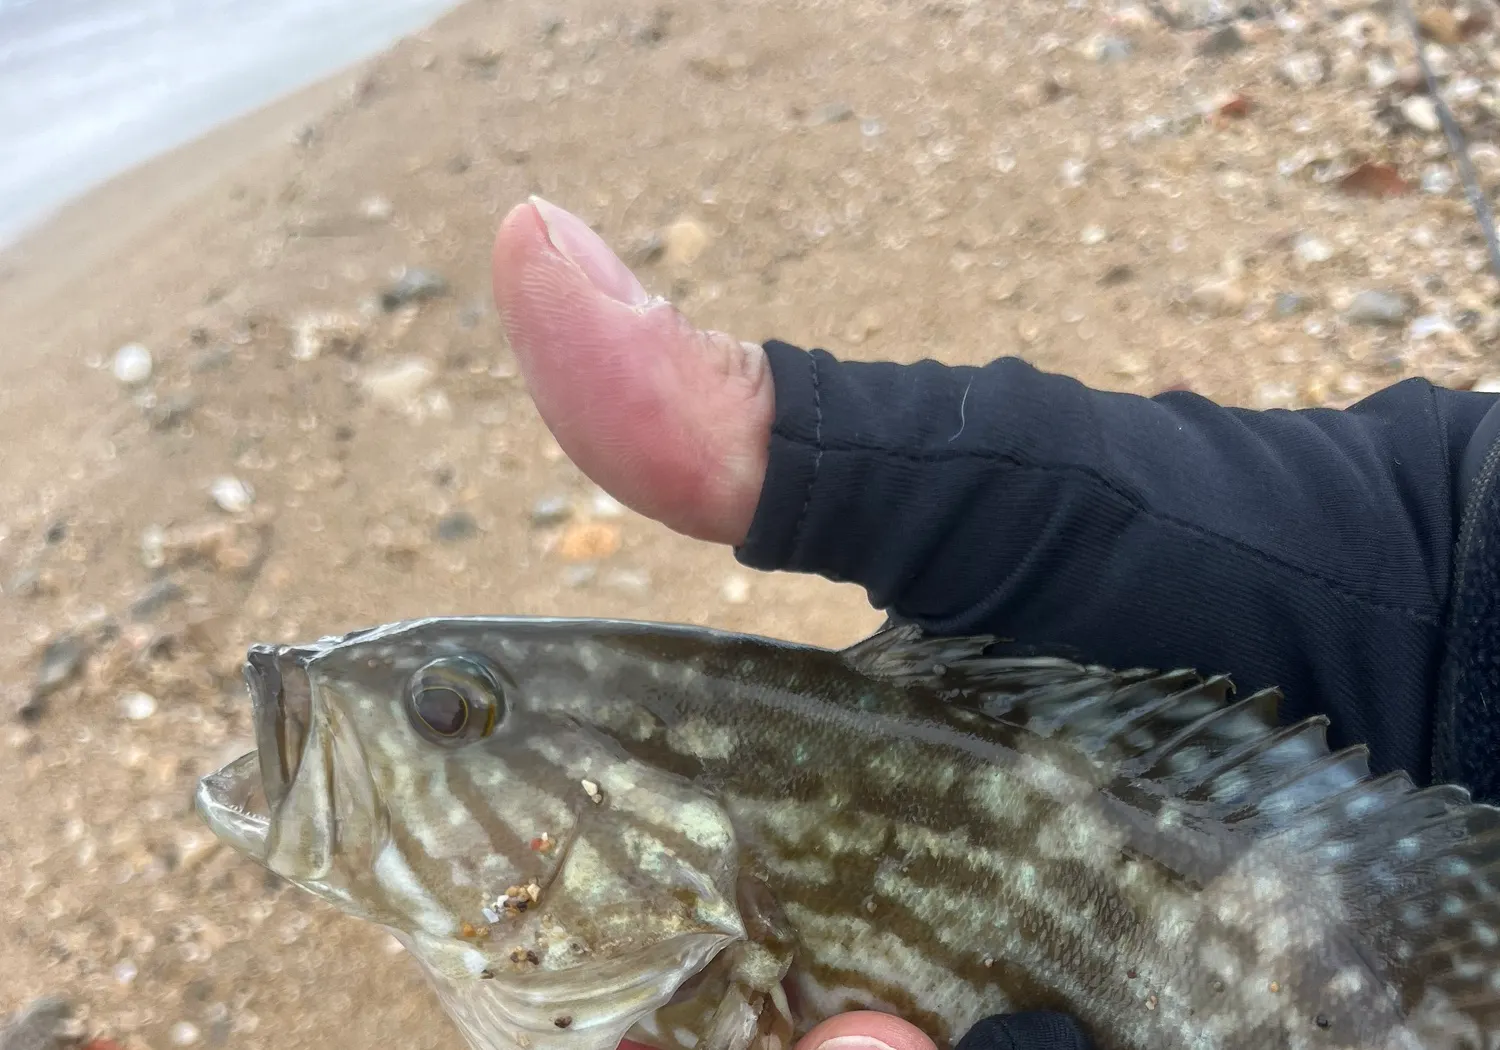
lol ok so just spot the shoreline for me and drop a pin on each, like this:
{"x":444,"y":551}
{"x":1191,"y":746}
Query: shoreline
{"x":68,"y":240}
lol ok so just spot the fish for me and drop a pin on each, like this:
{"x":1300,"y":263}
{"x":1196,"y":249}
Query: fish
{"x":590,"y":830}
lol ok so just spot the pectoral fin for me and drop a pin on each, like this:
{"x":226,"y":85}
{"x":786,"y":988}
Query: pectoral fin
{"x":754,"y":1012}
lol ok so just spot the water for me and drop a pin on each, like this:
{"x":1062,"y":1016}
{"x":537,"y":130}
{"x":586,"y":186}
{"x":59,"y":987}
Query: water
{"x":90,"y":88}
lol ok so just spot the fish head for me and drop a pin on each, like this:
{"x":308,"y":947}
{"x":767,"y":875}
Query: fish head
{"x":456,"y":781}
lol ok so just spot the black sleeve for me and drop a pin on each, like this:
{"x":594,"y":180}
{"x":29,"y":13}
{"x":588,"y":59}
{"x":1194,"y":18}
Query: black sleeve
{"x":1032,"y":1030}
{"x":1308,"y":550}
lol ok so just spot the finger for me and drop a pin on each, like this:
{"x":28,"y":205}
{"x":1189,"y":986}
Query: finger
{"x":865,"y":1030}
{"x":672,"y":421}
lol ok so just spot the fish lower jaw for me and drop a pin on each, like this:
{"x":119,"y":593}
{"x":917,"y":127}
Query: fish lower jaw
{"x":606,"y":997}
{"x":223,"y":801}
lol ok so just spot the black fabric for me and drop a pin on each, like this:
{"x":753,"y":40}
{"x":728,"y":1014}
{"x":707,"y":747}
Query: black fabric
{"x":1035,"y":1030}
{"x":1466,"y":740}
{"x":1310,"y":550}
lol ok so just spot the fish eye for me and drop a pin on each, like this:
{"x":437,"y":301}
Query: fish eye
{"x":455,"y":700}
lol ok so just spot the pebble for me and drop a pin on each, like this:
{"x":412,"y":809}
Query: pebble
{"x":736,"y":590}
{"x":471,"y":315}
{"x":125,"y":971}
{"x":1421,"y":113}
{"x":1107,"y":48}
{"x":398,"y":386}
{"x":714,"y":64}
{"x":603,"y":505}
{"x":684,"y":241}
{"x":1274,"y":395}
{"x":1437,"y":180}
{"x":376,"y":209}
{"x":1429,"y":325}
{"x":1289,"y":303}
{"x":185,"y":1033}
{"x":61,"y":660}
{"x":1311,"y":250}
{"x":1441,"y":25}
{"x":576,"y":576}
{"x":1093,"y":235}
{"x":132,"y":364}
{"x":232,"y":495}
{"x":630,"y":581}
{"x":1376,"y":307}
{"x":1223,"y":41}
{"x":1132,"y":366}
{"x":832,"y":113}
{"x":588,"y":541}
{"x":48,"y":1023}
{"x":1221,"y":296}
{"x":155,"y":598}
{"x":26,"y":583}
{"x":550,"y":510}
{"x":864,"y":326}
{"x":1304,"y":69}
{"x":459,"y":525}
{"x":413,"y":286}
{"x":1381,"y":73}
{"x":318,"y":333}
{"x":195,"y":848}
{"x":137,"y":706}
{"x":168,"y":412}
{"x":213,"y":359}
{"x":645,"y":251}
{"x":231,"y":547}
{"x":654,"y":31}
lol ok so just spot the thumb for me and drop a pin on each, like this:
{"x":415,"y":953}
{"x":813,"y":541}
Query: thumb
{"x":672,"y":421}
{"x":865,"y":1030}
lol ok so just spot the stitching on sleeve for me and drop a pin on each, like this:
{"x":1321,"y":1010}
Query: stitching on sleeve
{"x":1129,"y":498}
{"x":817,"y":392}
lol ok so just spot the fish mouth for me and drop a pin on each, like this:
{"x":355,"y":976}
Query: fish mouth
{"x":281,"y":700}
{"x":225,"y":801}
{"x":239,"y":801}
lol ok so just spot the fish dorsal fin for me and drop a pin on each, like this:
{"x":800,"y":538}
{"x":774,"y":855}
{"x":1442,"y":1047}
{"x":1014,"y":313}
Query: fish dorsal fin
{"x":904,"y":652}
{"x":1418,"y":869}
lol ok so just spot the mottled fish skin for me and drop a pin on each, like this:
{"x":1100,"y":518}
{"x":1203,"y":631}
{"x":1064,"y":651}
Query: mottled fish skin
{"x":947,"y":834}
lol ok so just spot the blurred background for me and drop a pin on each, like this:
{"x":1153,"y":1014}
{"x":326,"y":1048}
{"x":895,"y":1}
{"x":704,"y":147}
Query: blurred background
{"x":252,"y":387}
{"x":89,"y":88}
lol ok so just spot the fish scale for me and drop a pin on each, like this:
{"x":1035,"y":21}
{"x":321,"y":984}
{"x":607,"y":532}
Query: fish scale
{"x":720,"y":829}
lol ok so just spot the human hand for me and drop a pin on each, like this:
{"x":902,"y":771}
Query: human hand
{"x":857,"y":1030}
{"x":672,"y":421}
{"x":869,"y":1030}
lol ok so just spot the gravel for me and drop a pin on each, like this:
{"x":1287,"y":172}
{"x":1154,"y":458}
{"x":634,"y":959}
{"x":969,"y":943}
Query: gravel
{"x":132,"y":364}
{"x":1376,"y":307}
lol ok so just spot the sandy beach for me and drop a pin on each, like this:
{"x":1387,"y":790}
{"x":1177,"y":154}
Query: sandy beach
{"x":1137,"y":205}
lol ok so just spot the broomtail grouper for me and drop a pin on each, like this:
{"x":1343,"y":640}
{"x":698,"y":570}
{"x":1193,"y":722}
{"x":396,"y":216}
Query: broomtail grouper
{"x":590,"y":830}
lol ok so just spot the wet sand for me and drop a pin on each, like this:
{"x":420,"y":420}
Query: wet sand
{"x":104,"y":222}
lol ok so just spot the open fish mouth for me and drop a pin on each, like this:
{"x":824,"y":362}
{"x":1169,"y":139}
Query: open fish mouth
{"x":281,"y":698}
{"x":226,"y":802}
{"x":239,"y":801}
